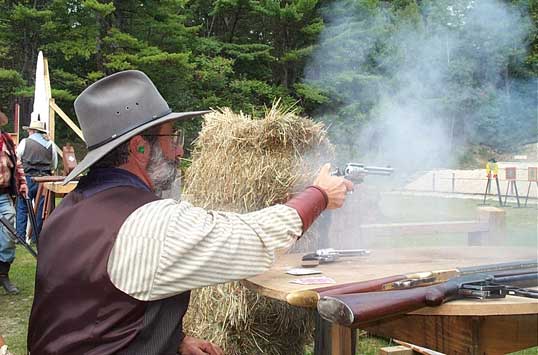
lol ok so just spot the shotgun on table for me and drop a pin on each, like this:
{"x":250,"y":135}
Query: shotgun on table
{"x":310,"y":298}
{"x":359,"y":308}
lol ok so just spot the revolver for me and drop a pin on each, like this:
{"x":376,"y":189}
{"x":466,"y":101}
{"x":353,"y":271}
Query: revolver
{"x":329,"y":255}
{"x":357,"y":172}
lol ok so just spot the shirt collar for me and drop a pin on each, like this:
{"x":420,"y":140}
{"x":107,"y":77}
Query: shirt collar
{"x":38,"y":137}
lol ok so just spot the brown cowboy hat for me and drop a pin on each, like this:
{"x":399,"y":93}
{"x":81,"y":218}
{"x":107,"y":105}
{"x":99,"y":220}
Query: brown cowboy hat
{"x":117,"y":108}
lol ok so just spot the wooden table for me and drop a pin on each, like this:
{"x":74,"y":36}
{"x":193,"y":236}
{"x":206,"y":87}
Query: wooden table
{"x":49,"y":187}
{"x":458,"y":327}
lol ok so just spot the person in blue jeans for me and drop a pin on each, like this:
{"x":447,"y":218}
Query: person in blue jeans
{"x":12,"y":182}
{"x":39,"y":157}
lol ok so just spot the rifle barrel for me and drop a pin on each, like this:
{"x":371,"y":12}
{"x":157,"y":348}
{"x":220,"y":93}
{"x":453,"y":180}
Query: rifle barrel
{"x":512,"y":265}
{"x":12,"y":233}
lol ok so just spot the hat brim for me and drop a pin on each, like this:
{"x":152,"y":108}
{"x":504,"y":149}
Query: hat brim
{"x":35,"y":129}
{"x":95,"y":154}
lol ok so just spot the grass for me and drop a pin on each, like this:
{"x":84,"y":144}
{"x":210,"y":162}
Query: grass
{"x":15,"y":310}
{"x":521,"y":228}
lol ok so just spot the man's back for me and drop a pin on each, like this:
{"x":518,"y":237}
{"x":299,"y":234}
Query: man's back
{"x":96,"y":317}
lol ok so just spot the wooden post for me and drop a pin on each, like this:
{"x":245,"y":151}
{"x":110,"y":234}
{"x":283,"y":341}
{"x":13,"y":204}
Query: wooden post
{"x":52,"y":122}
{"x":495,"y":218}
{"x":333,"y":339}
{"x":342,"y":342}
{"x":16,"y":122}
{"x":67,"y":120}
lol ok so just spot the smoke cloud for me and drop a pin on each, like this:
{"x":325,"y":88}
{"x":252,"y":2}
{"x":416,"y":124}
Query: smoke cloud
{"x":411,"y":86}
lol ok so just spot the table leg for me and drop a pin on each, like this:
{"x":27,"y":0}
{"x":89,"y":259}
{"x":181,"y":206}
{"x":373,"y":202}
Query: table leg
{"x":334,"y":339}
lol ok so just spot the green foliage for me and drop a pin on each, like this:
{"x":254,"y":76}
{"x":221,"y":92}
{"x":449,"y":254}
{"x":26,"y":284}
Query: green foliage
{"x":10,"y":82}
{"x":104,"y":9}
{"x":246,"y":53}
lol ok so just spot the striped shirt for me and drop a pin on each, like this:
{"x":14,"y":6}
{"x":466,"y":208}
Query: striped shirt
{"x":167,"y":247}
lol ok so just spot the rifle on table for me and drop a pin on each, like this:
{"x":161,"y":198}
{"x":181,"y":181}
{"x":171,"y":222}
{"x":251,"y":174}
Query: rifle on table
{"x":352,"y":309}
{"x":12,"y":233}
{"x":310,"y":298}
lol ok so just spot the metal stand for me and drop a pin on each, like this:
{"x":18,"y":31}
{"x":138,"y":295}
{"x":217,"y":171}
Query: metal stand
{"x":512,"y":185}
{"x":488,"y":190}
{"x":528,"y":192}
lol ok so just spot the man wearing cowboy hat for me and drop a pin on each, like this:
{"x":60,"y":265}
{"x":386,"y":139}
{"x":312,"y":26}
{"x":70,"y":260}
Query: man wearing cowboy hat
{"x":39,"y":157}
{"x":12,"y":182}
{"x":116,"y":262}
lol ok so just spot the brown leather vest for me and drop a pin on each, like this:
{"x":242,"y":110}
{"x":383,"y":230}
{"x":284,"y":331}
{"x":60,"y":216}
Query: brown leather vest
{"x":77,"y":309}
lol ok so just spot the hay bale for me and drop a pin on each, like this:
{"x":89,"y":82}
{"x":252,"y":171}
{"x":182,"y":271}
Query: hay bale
{"x":243,"y":164}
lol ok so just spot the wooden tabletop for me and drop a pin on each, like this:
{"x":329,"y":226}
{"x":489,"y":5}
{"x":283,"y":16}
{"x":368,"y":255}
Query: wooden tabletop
{"x":59,"y":187}
{"x":275,"y":283}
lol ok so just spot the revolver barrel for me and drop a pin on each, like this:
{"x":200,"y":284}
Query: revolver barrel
{"x":376,"y":170}
{"x":356,"y":172}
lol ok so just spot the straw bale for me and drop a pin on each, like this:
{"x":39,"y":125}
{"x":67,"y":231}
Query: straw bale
{"x":243,"y":164}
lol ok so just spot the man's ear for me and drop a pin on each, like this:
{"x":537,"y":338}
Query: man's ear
{"x":139,"y":150}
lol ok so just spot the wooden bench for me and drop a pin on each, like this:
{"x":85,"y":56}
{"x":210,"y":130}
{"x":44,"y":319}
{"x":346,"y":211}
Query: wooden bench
{"x":489,"y":228}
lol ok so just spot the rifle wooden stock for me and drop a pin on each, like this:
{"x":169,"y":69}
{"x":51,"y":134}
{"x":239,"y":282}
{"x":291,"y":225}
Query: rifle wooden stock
{"x":352,"y":309}
{"x":310,"y":298}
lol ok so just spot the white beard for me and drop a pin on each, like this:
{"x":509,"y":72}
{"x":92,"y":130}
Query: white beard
{"x":162,"y":173}
{"x":174,"y":191}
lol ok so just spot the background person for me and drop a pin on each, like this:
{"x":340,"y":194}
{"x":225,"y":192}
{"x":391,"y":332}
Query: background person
{"x":12,"y":182}
{"x":116,"y":262}
{"x":39,"y":157}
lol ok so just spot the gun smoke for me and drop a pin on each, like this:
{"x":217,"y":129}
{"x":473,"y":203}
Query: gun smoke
{"x":411,"y":87}
{"x":412,"y":92}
